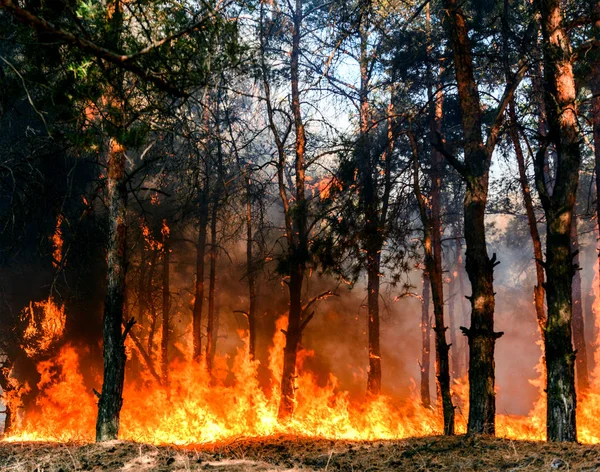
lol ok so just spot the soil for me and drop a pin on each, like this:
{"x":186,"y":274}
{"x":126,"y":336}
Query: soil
{"x":285,"y":453}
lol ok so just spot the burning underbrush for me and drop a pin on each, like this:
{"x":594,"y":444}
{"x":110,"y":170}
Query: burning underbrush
{"x":195,"y":408}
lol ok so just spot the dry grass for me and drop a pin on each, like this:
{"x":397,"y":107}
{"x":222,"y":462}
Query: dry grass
{"x":284,"y":453}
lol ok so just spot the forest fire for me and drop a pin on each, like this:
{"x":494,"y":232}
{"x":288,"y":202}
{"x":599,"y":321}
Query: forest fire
{"x":230,"y":221}
{"x":196,"y":409}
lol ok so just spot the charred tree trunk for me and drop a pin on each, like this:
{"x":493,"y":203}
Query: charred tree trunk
{"x":581,"y":367}
{"x":432,"y":245}
{"x":251,"y":274}
{"x":462,"y":352}
{"x":292,"y":340}
{"x":134,"y":362}
{"x":464,"y":306}
{"x":5,"y":370}
{"x":7,"y":421}
{"x":595,"y":85}
{"x":153,"y":316}
{"x":563,"y":136}
{"x":374,"y":372}
{"x":481,"y":335}
{"x":433,"y":253}
{"x":199,"y":288}
{"x":454,"y":358}
{"x":538,"y":290}
{"x":480,"y":268}
{"x":166,"y":305}
{"x":211,"y":326}
{"x":296,"y":230}
{"x":442,"y":348}
{"x":111,"y":398}
{"x":425,"y":343}
{"x":372,"y":240}
{"x":142,"y":294}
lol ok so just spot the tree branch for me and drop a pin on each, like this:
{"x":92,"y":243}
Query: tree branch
{"x":321,"y":296}
{"x":438,"y":143}
{"x":120,"y":60}
{"x":510,"y":88}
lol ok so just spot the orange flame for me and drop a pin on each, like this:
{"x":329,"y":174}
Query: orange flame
{"x":45,"y":325}
{"x":57,"y":242}
{"x":197,"y":409}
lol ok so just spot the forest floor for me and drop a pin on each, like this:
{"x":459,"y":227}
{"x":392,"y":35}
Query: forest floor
{"x":285,"y":453}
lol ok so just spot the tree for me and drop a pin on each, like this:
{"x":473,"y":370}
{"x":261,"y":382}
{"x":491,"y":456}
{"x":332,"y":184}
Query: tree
{"x":475,"y":172}
{"x":564,"y":138}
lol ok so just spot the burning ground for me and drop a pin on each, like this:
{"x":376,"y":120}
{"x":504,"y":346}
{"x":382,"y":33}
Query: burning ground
{"x":290,"y":453}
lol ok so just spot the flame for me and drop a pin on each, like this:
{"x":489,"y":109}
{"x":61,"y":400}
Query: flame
{"x":57,"y":242}
{"x":45,"y":325}
{"x":588,"y":407}
{"x":151,"y":242}
{"x":195,"y":408}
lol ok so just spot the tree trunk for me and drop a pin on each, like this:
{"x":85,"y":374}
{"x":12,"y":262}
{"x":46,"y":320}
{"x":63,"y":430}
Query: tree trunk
{"x":374,"y":372}
{"x":134,"y":362}
{"x":433,"y":254}
{"x":251,"y":275}
{"x":372,"y":241}
{"x":149,"y":292}
{"x":111,"y":398}
{"x":434,"y":261}
{"x":142,"y":294}
{"x":464,"y":306}
{"x":563,"y":135}
{"x":292,"y":339}
{"x":297,"y":235}
{"x":538,"y":289}
{"x":7,"y":422}
{"x":211,"y":327}
{"x":480,"y":268}
{"x":166,"y":305}
{"x":455,"y":357}
{"x":432,"y":245}
{"x":425,"y":343}
{"x":595,"y":86}
{"x":581,"y":367}
{"x":5,"y":386}
{"x":199,"y":289}
{"x":461,"y":301}
{"x":481,"y":335}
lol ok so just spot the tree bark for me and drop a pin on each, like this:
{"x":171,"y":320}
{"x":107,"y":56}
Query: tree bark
{"x":149,"y":292}
{"x":432,"y":245}
{"x":538,"y":289}
{"x":581,"y":367}
{"x":296,"y":233}
{"x":374,"y":372}
{"x":563,"y":135}
{"x":292,"y":339}
{"x":251,"y":274}
{"x":425,"y":343}
{"x":199,"y":288}
{"x":166,"y":305}
{"x":111,"y":398}
{"x":372,"y":240}
{"x":433,"y":254}
{"x":211,"y":326}
{"x":5,"y":370}
{"x":595,"y":86}
{"x":480,"y":268}
{"x":454,"y":357}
